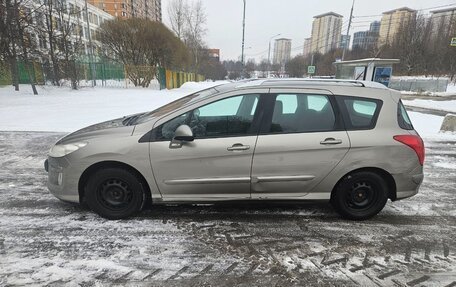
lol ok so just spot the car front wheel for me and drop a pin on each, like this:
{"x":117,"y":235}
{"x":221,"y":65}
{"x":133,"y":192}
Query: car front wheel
{"x":114,"y":193}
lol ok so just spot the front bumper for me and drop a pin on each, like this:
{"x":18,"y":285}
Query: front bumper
{"x":62,"y":179}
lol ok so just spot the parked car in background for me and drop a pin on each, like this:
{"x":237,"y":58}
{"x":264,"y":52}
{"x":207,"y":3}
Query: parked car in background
{"x":347,"y":142}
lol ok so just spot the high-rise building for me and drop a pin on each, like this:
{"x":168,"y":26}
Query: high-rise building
{"x":367,"y":39}
{"x":375,"y":27}
{"x":326,"y":32}
{"x":443,"y":21}
{"x":282,"y":51}
{"x":344,"y":41}
{"x":307,"y":44}
{"x":150,"y":9}
{"x":391,"y":23}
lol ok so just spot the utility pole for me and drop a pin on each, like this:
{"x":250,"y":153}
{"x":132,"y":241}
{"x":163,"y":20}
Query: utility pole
{"x":348,"y":31}
{"x":94,"y":82}
{"x":243,"y":40}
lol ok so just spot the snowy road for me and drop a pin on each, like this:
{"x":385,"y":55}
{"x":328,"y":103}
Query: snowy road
{"x":46,"y":242}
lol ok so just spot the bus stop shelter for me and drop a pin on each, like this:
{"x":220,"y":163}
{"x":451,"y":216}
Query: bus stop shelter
{"x":371,"y":69}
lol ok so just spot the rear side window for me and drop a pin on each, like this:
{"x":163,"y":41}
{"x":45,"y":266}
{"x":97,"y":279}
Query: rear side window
{"x":300,"y":113}
{"x":360,"y":113}
{"x":403,"y":118}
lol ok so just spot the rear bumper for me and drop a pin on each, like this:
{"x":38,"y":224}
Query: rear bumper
{"x":62,"y":182}
{"x":407,"y":185}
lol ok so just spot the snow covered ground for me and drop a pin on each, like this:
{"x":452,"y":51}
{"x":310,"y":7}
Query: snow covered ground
{"x":446,"y":106}
{"x":66,"y":110}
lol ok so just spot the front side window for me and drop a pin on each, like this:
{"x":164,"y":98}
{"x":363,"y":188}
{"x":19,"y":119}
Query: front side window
{"x":224,"y":118}
{"x":296,"y":113}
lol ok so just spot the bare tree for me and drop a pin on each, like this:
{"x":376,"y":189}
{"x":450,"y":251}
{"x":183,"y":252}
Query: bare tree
{"x":23,"y":25}
{"x":50,"y":28}
{"x":195,"y":31}
{"x":177,"y":11}
{"x":142,"y":45}
{"x":8,"y":40}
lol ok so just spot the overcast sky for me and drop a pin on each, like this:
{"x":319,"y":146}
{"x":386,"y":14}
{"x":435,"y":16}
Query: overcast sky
{"x":291,"y":18}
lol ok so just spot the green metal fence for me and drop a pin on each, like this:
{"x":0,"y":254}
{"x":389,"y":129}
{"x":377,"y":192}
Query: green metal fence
{"x":105,"y":74}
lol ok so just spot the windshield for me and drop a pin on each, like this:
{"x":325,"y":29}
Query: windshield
{"x":177,"y":104}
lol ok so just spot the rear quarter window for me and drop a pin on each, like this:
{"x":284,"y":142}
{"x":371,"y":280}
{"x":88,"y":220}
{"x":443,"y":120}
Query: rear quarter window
{"x":402,"y":117}
{"x":359,"y":113}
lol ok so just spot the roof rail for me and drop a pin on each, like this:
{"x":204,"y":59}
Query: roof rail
{"x":355,"y":82}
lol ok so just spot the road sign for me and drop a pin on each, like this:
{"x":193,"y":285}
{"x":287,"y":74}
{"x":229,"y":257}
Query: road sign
{"x":453,"y":42}
{"x":310,"y":69}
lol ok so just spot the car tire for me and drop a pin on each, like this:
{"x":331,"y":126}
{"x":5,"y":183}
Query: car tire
{"x":360,"y":195}
{"x":115,"y":193}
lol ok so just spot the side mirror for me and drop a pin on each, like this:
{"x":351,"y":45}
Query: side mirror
{"x":183,"y":133}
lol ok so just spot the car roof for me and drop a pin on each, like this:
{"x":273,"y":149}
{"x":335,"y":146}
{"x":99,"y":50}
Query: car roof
{"x":298,"y":83}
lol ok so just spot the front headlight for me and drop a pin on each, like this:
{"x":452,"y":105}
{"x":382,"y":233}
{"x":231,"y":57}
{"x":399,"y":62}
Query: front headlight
{"x":64,"y":149}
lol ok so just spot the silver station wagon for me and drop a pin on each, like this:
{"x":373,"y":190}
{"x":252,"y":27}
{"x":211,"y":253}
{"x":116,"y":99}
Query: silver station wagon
{"x":347,"y":142}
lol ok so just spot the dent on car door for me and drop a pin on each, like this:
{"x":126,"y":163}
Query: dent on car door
{"x":298,"y":146}
{"x":216,"y":165}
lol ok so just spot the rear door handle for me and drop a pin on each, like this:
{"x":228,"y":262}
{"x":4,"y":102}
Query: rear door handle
{"x":238,"y":147}
{"x":331,"y":141}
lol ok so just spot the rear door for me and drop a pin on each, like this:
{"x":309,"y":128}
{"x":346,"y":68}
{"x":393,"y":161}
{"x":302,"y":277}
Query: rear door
{"x":301,"y":141}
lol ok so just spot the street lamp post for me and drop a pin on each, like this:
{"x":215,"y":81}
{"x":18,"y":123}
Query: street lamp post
{"x":243,"y":38}
{"x":269,"y":52}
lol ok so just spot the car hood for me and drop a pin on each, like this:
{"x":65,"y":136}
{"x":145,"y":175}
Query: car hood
{"x":108,"y":128}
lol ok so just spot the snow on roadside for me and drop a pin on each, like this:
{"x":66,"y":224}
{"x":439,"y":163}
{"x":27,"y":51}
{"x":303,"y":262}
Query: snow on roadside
{"x":446,"y":106}
{"x":63,"y":110}
{"x":428,"y":126}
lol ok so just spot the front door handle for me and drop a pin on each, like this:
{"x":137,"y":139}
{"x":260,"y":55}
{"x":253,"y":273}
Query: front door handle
{"x":331,"y":141}
{"x":238,"y":147}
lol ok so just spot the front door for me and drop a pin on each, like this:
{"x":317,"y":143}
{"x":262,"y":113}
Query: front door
{"x":217,"y":164}
{"x":301,"y":143}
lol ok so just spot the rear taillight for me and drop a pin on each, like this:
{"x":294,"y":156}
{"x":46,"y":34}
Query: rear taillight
{"x":415,"y":142}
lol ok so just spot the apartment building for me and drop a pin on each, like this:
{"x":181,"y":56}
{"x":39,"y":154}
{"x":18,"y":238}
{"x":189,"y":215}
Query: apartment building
{"x":74,"y":19}
{"x":326,"y":32}
{"x":282,"y":51}
{"x":307,"y":46}
{"x":443,"y":21}
{"x":344,"y":42}
{"x":367,"y":39}
{"x":150,"y":9}
{"x":391,"y":23}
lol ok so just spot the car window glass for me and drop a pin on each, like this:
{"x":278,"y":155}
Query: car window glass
{"x":289,"y":103}
{"x":317,"y":102}
{"x":255,"y":103}
{"x":361,"y":112}
{"x":227,"y":107}
{"x":364,"y":107}
{"x":218,"y":119}
{"x":403,"y":118}
{"x":295,"y":113}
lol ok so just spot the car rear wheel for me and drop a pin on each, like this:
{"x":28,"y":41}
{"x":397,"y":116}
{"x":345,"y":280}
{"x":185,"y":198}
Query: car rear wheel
{"x":114,"y":193}
{"x":360,"y":195}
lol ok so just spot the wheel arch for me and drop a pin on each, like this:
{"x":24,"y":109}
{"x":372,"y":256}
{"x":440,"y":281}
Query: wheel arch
{"x":112,"y":164}
{"x":391,"y":183}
